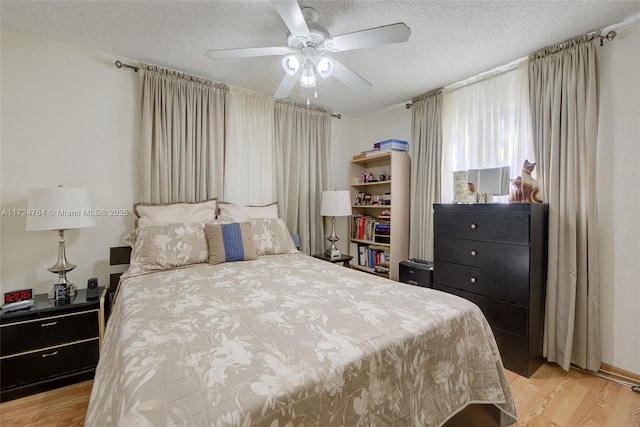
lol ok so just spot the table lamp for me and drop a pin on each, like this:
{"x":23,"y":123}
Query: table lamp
{"x":59,"y":209}
{"x":335,"y":203}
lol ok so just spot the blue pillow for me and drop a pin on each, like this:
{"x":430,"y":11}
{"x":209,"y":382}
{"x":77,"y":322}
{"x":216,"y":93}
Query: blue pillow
{"x":230,"y":242}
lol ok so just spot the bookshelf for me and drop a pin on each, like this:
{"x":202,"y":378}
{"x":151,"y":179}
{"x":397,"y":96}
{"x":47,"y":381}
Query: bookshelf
{"x":379,"y":226}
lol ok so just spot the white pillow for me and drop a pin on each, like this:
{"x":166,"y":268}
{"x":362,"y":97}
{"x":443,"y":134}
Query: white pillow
{"x":271,"y":237}
{"x":151,"y":214}
{"x":163,"y":247}
{"x":240,"y":213}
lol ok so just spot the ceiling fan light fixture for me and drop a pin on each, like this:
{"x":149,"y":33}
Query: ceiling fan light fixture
{"x":291,"y":64}
{"x":308,"y":79}
{"x":324,"y":67}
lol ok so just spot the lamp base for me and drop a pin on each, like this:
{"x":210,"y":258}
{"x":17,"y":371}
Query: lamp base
{"x":71,"y":290}
{"x":61,"y":268}
{"x":334,"y":253}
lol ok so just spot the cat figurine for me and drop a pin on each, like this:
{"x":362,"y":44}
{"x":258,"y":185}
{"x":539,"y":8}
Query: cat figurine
{"x":515,"y":196}
{"x":525,"y":187}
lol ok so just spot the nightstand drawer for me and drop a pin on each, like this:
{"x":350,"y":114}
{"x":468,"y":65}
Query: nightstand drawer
{"x":49,"y":331}
{"x":508,"y":317}
{"x":503,"y":286}
{"x":504,"y":228}
{"x":44,"y":364}
{"x":493,"y":256}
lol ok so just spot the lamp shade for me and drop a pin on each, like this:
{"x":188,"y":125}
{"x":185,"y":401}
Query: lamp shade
{"x":59,"y":208}
{"x":335,"y":203}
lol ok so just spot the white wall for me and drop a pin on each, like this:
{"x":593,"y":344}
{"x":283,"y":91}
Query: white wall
{"x":619,"y":199}
{"x":351,"y":135}
{"x":68,"y":117}
{"x":392,"y":123}
{"x":346,"y":137}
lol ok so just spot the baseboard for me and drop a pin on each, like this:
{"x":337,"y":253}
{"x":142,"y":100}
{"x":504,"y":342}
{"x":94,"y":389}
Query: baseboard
{"x":617,"y":373}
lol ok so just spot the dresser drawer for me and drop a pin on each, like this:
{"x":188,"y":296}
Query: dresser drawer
{"x":504,"y":228}
{"x":514,"y":351}
{"x":509,"y":317}
{"x":493,"y":256}
{"x":44,"y":364}
{"x":48,"y":332}
{"x":503,"y":286}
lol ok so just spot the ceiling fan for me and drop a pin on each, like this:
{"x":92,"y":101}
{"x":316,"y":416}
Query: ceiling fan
{"x":308,"y":43}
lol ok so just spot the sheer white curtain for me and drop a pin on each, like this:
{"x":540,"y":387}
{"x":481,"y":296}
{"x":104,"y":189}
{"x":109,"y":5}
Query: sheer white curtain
{"x":486,"y":124}
{"x":250,"y":163}
{"x":182,"y":136}
{"x":303,"y":139}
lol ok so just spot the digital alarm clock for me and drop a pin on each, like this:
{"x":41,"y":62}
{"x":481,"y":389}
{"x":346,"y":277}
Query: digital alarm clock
{"x":18,"y":295}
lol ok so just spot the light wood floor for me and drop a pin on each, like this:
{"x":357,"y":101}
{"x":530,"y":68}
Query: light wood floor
{"x":550,"y":398}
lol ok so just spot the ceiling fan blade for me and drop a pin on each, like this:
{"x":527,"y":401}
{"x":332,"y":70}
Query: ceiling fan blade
{"x":246,"y":52}
{"x":388,"y":34}
{"x":286,"y":85}
{"x":350,"y":78}
{"x":292,"y":16}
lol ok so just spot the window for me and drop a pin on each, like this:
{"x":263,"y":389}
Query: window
{"x":486,"y":125}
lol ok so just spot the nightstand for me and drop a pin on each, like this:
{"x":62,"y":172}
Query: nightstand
{"x":344,"y":259}
{"x":51,"y":345}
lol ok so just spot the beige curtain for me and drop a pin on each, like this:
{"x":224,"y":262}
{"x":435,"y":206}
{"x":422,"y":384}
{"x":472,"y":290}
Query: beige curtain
{"x":426,"y":158}
{"x":562,"y":81}
{"x":182,"y":136}
{"x":303,"y":139}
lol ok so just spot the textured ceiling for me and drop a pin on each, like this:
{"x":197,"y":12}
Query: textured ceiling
{"x":450,"y":40}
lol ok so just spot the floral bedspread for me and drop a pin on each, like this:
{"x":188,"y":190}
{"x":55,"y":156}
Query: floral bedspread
{"x":290,"y":340}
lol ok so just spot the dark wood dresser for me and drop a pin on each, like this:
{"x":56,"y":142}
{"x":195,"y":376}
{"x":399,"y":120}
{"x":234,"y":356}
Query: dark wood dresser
{"x":495,"y":256}
{"x":51,"y":345}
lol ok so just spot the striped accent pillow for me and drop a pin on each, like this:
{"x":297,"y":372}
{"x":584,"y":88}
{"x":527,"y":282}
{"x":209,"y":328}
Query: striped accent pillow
{"x":230,"y":242}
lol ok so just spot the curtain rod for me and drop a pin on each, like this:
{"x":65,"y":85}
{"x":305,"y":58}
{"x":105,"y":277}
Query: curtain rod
{"x":609,"y":37}
{"x":120,"y":64}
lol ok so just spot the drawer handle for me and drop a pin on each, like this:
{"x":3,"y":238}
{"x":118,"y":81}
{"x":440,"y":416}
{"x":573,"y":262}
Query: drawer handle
{"x":412,"y":282}
{"x":50,"y":354}
{"x":474,"y":280}
{"x":474,"y":253}
{"x":474,"y":226}
{"x":44,"y":325}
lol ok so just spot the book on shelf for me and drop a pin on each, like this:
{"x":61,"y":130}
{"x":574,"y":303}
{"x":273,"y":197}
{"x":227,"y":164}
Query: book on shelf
{"x":371,"y":256}
{"x":384,"y":217}
{"x":381,"y":268}
{"x":362,"y":260}
{"x":363,"y":227}
{"x":383,"y":228}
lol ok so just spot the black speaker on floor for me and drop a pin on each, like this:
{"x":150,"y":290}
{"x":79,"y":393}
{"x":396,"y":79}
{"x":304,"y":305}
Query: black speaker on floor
{"x":416,"y":272}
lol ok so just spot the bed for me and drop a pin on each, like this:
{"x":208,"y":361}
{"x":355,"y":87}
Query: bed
{"x":289,"y":340}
